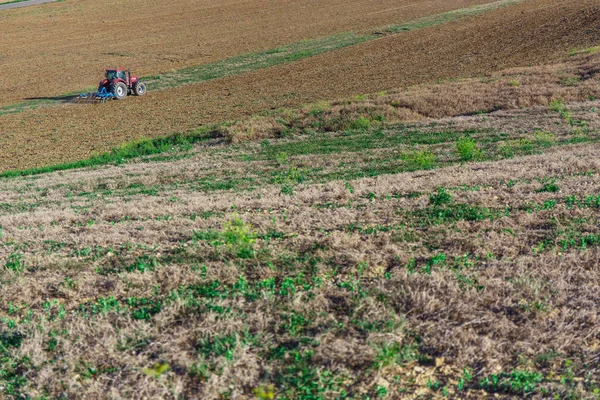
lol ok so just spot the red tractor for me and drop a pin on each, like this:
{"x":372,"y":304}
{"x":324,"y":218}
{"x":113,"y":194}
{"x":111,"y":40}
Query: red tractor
{"x":119,"y":83}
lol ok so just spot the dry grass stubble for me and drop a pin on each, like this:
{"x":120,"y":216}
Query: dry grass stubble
{"x":482,"y":329}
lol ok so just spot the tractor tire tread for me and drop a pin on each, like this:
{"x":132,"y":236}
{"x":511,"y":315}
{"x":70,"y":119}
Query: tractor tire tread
{"x":139,"y":89}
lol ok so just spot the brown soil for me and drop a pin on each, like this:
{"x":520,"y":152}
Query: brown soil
{"x":508,"y":37}
{"x":58,"y":48}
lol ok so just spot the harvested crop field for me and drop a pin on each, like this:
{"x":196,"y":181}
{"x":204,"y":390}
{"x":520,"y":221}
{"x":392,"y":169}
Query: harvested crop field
{"x":507,"y":37}
{"x":366,"y":259}
{"x":63,"y":47}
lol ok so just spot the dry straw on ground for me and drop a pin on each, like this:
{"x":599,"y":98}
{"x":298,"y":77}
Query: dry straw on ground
{"x":78,"y":251}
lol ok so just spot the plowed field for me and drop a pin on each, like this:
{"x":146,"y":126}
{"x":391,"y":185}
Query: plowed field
{"x":56,"y":48}
{"x":533,"y":32}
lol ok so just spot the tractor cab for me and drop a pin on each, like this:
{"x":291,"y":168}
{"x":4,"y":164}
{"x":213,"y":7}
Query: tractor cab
{"x":118,"y":73}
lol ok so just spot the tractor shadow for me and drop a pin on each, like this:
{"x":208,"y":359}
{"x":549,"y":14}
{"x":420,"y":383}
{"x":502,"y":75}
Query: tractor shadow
{"x":57,"y":99}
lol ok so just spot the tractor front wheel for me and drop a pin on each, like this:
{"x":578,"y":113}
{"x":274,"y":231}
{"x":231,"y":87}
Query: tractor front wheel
{"x":119,"y":89}
{"x":139,"y":89}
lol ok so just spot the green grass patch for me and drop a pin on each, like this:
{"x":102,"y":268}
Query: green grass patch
{"x":457,"y":212}
{"x":449,"y":16}
{"x":549,"y":187}
{"x":468,"y":150}
{"x":386,"y":137}
{"x":399,"y":139}
{"x":515,"y":382}
{"x":139,"y":148}
{"x":440,"y":197}
{"x":254,"y":61}
{"x":419,"y":159}
{"x":589,"y":50}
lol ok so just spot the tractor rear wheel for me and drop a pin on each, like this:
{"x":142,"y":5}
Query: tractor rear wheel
{"x":119,"y":89}
{"x":139,"y":89}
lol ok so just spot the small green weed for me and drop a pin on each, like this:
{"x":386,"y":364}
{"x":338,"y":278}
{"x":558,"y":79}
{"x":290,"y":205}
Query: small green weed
{"x":550,"y":187}
{"x":419,"y":159}
{"x":433,"y":385}
{"x":143,"y":308}
{"x":15,"y":263}
{"x":545,"y":139}
{"x":394,"y":353}
{"x":572,"y":81}
{"x":516,"y":382}
{"x":559,"y":106}
{"x":281,"y":158}
{"x":239,"y":238}
{"x":456,"y":212}
{"x":468,"y":150}
{"x":465,"y":379}
{"x":362,"y":123}
{"x":288,"y":176}
{"x":319,"y":108}
{"x":300,"y":379}
{"x":514,"y":147}
{"x":200,"y":370}
{"x":143,"y":264}
{"x":217,"y":346}
{"x":288,"y":190}
{"x":440,"y":197}
{"x":265,"y":392}
{"x":236,"y":235}
{"x":156,"y":370}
